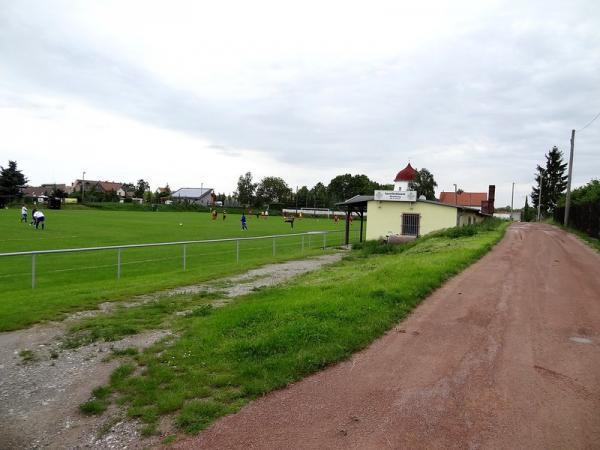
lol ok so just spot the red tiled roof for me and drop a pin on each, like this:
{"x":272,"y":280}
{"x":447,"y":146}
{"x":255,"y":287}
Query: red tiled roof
{"x":406,"y":174}
{"x":110,"y":185}
{"x":32,"y":191}
{"x":473,"y":199}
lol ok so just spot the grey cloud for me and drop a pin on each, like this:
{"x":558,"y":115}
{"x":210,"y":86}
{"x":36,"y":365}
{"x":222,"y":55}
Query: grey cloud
{"x":513,"y":93}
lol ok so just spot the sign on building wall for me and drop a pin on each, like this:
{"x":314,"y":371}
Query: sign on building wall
{"x":396,"y":196}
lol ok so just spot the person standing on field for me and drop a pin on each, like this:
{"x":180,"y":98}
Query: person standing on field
{"x":33,"y":211}
{"x":243,"y":220}
{"x":224,"y":214}
{"x":24,"y":214}
{"x":39,"y":218}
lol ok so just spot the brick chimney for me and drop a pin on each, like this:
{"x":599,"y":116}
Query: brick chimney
{"x":487,"y":206}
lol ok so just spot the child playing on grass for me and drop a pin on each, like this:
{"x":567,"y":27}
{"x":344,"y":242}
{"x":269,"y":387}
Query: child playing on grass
{"x":39,"y":219}
{"x":24,"y":214}
{"x":243,"y":220}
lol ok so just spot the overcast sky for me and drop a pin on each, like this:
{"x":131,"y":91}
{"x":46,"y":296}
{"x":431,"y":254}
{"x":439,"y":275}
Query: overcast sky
{"x":191,"y":93}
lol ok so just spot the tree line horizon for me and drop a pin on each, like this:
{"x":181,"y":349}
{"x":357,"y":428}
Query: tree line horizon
{"x":268,"y":190}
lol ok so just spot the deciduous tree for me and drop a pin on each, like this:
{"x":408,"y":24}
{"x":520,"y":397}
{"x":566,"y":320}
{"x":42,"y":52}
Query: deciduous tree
{"x":245,"y":189}
{"x":272,"y":189}
{"x":424,"y":184}
{"x":141,"y":188}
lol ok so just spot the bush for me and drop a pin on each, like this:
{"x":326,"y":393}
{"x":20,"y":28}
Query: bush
{"x":457,"y":232}
{"x":376,"y":248}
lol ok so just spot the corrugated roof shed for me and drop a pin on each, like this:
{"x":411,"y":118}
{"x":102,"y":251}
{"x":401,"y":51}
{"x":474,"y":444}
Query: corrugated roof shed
{"x":191,"y":192}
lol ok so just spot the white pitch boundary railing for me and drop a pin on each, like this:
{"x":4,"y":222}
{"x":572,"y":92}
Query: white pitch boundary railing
{"x":184,"y":244}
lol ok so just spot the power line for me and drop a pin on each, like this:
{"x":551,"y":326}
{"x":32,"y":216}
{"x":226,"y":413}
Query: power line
{"x":590,"y":122}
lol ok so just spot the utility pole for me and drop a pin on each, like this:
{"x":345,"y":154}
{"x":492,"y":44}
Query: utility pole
{"x":82,"y":187}
{"x":456,"y":204}
{"x":568,"y":200}
{"x":540,"y":197}
{"x":296,"y":200}
{"x":455,"y":196}
{"x":512,"y":197}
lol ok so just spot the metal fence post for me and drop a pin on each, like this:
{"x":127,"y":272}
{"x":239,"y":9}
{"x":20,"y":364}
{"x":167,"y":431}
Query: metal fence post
{"x":118,"y":264}
{"x":309,"y":241}
{"x":324,"y":240}
{"x":237,"y":251}
{"x":273,"y":246}
{"x":302,"y":243}
{"x":184,"y":257}
{"x":32,"y":271}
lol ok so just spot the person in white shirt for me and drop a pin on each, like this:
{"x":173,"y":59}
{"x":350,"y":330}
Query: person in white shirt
{"x":24,"y":214}
{"x":39,"y":218}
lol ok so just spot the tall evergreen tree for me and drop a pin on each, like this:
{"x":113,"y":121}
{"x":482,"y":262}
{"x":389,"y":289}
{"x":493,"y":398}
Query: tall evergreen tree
{"x":11,"y":179}
{"x":527,"y":211}
{"x":553,"y":182}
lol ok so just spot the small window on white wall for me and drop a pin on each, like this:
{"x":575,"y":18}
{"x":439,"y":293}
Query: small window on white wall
{"x":411,"y":224}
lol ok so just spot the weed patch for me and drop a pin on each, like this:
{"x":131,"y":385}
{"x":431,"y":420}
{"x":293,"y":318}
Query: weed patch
{"x":159,"y":314}
{"x":129,"y":351}
{"x":27,"y":356}
{"x":93,"y":407}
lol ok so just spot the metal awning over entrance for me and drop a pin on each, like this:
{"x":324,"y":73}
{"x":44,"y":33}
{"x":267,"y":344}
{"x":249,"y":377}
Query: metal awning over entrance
{"x":357,"y":204}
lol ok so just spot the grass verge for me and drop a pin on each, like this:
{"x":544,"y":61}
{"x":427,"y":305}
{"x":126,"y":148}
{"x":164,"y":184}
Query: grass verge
{"x":225,"y":357}
{"x":592,"y":242}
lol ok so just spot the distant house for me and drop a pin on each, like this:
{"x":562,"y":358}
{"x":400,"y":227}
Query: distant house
{"x":466,"y":199}
{"x":44,"y":190}
{"x":32,"y":191}
{"x":98,"y":186}
{"x":108,"y":186}
{"x":200,"y":196}
{"x":50,"y":187}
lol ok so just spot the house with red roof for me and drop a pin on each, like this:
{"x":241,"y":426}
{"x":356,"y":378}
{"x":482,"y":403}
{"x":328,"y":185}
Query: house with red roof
{"x":482,"y":201}
{"x":469,"y":199}
{"x":400,"y":215}
{"x":99,"y":186}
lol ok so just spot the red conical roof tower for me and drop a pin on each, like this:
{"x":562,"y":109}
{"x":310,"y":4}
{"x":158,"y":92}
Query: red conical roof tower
{"x":406,"y":174}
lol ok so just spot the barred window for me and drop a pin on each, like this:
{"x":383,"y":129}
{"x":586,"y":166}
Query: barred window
{"x":410,"y":224}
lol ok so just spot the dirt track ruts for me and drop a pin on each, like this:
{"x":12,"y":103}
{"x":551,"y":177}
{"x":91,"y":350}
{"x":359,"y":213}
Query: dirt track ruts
{"x":505,"y":355}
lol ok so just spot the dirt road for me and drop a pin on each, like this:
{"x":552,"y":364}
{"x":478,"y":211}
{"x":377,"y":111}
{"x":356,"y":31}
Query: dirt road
{"x":505,"y":355}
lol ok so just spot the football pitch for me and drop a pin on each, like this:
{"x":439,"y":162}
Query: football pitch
{"x":75,"y":281}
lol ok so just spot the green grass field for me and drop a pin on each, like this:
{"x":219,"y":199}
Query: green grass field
{"x":224,"y":357}
{"x":76,"y":281}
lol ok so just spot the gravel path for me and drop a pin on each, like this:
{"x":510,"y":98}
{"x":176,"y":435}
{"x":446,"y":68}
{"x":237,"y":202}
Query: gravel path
{"x":505,"y":355}
{"x":42,"y":384}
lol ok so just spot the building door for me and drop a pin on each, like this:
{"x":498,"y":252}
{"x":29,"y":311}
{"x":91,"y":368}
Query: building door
{"x":411,"y":224}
